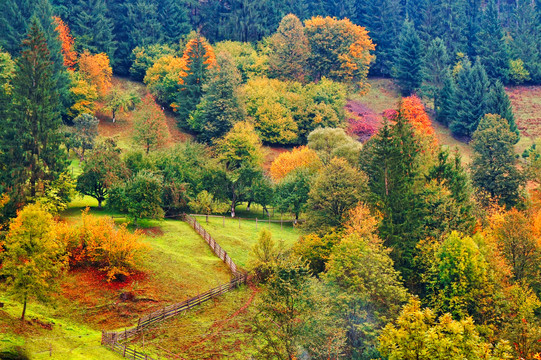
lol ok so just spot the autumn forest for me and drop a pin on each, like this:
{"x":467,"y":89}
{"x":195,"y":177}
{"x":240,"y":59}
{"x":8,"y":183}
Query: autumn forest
{"x":274,"y":179}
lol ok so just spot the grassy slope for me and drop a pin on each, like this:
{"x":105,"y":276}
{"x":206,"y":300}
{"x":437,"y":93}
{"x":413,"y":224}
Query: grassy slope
{"x":238,"y":242}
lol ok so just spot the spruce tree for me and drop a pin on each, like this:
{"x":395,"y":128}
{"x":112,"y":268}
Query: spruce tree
{"x":14,"y":16}
{"x":391,"y":163}
{"x":436,"y":63}
{"x":491,"y":46}
{"x":221,"y":105}
{"x":470,"y":99}
{"x":173,"y":17}
{"x":445,"y":106}
{"x":92,"y":28}
{"x":526,"y":34}
{"x":494,"y":163}
{"x":498,"y":102}
{"x":199,"y":58}
{"x":30,"y":137}
{"x":409,"y":60}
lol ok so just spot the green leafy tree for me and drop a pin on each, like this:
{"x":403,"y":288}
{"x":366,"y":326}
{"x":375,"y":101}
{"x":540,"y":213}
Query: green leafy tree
{"x":204,"y":203}
{"x":337,"y":189}
{"x":292,"y":192}
{"x":119,"y":101}
{"x":86,"y":131}
{"x":289,"y":50}
{"x":143,"y":57}
{"x":494,"y":167}
{"x":334,"y":142}
{"x":30,"y":137}
{"x":33,"y":255}
{"x":409,"y":60}
{"x":369,"y":291}
{"x":102,"y":169}
{"x":221,"y":105}
{"x":140,"y":197}
{"x":418,"y":335}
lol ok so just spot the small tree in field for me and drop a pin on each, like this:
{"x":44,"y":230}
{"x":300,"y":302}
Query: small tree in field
{"x":150,"y":127}
{"x":33,"y":255}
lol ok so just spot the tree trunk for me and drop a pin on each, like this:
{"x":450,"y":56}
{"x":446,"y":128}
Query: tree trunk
{"x":113,"y":115}
{"x":24,"y":309}
{"x":248,"y":207}
{"x":99,"y":203}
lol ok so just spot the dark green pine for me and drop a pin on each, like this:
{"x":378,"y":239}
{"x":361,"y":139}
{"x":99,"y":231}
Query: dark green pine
{"x":409,"y":60}
{"x":30,"y":144}
{"x":445,"y":106}
{"x":173,"y":16}
{"x":491,"y":46}
{"x":92,"y":28}
{"x":498,"y":102}
{"x":470,"y":100}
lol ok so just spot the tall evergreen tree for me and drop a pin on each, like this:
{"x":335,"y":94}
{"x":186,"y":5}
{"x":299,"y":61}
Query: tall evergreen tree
{"x":409,"y":60}
{"x":391,"y":163}
{"x":14,"y":17}
{"x":30,"y":137}
{"x":221,"y":106}
{"x":498,"y":103}
{"x":436,"y":63}
{"x":382,"y":19}
{"x":526,"y":34}
{"x":470,"y":99}
{"x":200,"y":58}
{"x":494,"y":163}
{"x":173,"y":16}
{"x":445,"y":106}
{"x":92,"y":28}
{"x":491,"y":46}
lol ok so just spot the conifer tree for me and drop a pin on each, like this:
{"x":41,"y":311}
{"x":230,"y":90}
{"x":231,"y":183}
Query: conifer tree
{"x":491,"y":46}
{"x":92,"y":29}
{"x":445,"y":106}
{"x":221,"y":105}
{"x":391,"y":163}
{"x":470,"y":99}
{"x":526,"y":34}
{"x":199,"y":58}
{"x":173,"y":17}
{"x":290,"y":50}
{"x":498,"y":102}
{"x":435,"y":67}
{"x":30,"y":137}
{"x":409,"y":60}
{"x":494,"y":163}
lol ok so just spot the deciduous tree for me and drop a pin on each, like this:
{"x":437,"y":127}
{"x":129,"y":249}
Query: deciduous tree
{"x":97,"y":70}
{"x":299,"y":157}
{"x":70,"y":56}
{"x":150,"y":125}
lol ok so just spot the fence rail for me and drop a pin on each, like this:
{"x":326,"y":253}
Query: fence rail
{"x":113,"y":339}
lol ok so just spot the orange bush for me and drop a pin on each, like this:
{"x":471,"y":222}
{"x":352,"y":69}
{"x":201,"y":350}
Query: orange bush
{"x":288,"y":161}
{"x":98,"y":243}
{"x":97,"y":70}
{"x":414,"y":111}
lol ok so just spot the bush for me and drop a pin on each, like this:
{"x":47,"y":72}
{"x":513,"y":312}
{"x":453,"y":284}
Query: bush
{"x":98,"y":243}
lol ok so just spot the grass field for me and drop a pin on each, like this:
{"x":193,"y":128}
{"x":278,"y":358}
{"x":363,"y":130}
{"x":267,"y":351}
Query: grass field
{"x":238,"y":241}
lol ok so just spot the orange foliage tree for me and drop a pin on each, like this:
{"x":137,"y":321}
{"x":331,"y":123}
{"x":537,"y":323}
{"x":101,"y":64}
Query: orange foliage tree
{"x":288,"y":161}
{"x":70,"y":56}
{"x":97,"y":70}
{"x":150,"y":125}
{"x":98,"y":243}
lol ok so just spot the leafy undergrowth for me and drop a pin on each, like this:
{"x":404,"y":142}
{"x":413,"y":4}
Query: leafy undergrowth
{"x":238,"y":241}
{"x":218,"y":329}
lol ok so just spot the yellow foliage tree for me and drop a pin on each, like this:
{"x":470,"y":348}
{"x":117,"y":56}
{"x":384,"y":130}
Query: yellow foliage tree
{"x":299,"y":157}
{"x":96,"y":69}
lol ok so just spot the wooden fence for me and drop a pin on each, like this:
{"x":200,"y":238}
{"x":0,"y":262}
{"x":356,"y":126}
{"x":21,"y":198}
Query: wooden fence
{"x":112,"y":339}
